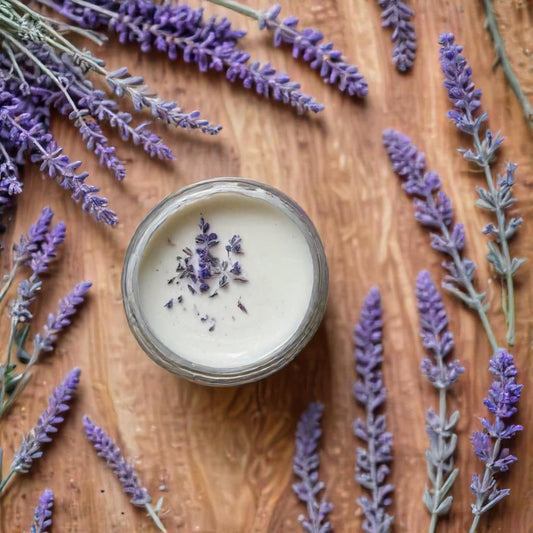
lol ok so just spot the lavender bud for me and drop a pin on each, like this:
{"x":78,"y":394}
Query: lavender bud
{"x":42,"y":518}
{"x":31,"y":445}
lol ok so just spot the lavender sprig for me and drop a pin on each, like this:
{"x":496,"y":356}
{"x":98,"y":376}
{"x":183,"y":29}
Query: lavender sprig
{"x":501,"y":401}
{"x":372,"y":465}
{"x":306,"y":462}
{"x":397,"y":15}
{"x":306,"y":44}
{"x":498,"y":197}
{"x":42,"y":517}
{"x":124,"y":471}
{"x":438,"y":341}
{"x":31,"y":447}
{"x":180,"y":30}
{"x":433,"y":209}
{"x":28,"y":245}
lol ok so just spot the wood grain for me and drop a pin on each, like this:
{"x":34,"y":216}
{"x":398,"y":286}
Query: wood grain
{"x":224,"y":456}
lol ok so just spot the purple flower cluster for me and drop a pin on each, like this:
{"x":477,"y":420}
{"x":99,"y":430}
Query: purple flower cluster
{"x":435,"y":335}
{"x":178,"y":30}
{"x":63,"y":317}
{"x":32,"y":241}
{"x":397,"y":16}
{"x":108,"y":450}
{"x":372,"y":461}
{"x":433,"y":209}
{"x":438,"y":341}
{"x":497,"y":197}
{"x":32,"y":444}
{"x":322,"y":57}
{"x":42,"y":518}
{"x":461,"y":89}
{"x":501,"y":401}
{"x":305,"y":463}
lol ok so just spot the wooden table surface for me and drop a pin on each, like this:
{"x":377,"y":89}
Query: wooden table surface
{"x":224,"y":455}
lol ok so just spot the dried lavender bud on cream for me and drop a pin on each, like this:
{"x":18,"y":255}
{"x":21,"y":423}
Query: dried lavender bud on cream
{"x":215,"y":319}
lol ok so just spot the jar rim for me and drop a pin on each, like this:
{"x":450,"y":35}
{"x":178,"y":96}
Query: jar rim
{"x":274,"y":359}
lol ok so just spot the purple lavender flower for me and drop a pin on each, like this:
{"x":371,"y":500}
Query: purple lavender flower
{"x":461,"y":89}
{"x":305,"y":466}
{"x":63,"y":317}
{"x":30,"y":243}
{"x":108,"y":450}
{"x":438,"y":341}
{"x":41,"y":259}
{"x":42,"y":517}
{"x":372,"y":462}
{"x":433,"y":209}
{"x":124,"y":471}
{"x":177,"y":29}
{"x":397,"y":15}
{"x":497,"y":198}
{"x":26,"y":294}
{"x":31,"y":445}
{"x":501,"y":401}
{"x":306,"y":44}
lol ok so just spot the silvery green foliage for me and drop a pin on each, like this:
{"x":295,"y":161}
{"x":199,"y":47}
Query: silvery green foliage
{"x":442,"y":374}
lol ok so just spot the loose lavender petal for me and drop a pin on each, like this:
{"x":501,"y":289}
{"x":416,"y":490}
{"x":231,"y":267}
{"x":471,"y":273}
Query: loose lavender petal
{"x":438,"y":341}
{"x":32,"y":444}
{"x":42,"y":518}
{"x":306,"y":462}
{"x":397,"y":16}
{"x":433,"y":210}
{"x":68,"y":307}
{"x":501,"y":401}
{"x":323,"y":57}
{"x":373,"y":460}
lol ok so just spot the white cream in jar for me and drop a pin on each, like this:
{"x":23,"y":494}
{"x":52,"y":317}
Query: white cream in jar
{"x":240,"y":322}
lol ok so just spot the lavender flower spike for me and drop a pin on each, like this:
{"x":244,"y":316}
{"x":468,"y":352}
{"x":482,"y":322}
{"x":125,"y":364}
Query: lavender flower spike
{"x":125,"y":472}
{"x":397,"y":15}
{"x":31,"y":242}
{"x":32,"y":444}
{"x":501,"y":401}
{"x":438,"y":341}
{"x":42,"y":518}
{"x":372,"y":462}
{"x":62,"y":319}
{"x":433,"y":209}
{"x":305,"y":465}
{"x":497,"y":198}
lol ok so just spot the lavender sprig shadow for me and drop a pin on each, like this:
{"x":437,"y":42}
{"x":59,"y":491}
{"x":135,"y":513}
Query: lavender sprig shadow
{"x":123,"y":470}
{"x":306,"y":462}
{"x":178,"y":30}
{"x":397,"y":16}
{"x":438,"y":342}
{"x":433,"y":209}
{"x":501,"y":401}
{"x":372,"y":464}
{"x":497,"y":198}
{"x":42,"y":517}
{"x":31,"y":447}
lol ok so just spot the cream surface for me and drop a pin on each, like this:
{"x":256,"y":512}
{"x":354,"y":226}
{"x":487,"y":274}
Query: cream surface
{"x":276,"y":261}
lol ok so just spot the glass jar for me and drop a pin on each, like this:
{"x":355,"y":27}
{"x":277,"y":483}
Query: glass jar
{"x":275,"y":358}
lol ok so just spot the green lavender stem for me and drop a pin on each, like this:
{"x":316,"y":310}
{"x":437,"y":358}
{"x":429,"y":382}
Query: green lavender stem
{"x":238,"y":8}
{"x":503,"y":59}
{"x":8,"y":360}
{"x":155,"y":517}
{"x":486,"y":478}
{"x":508,"y":299}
